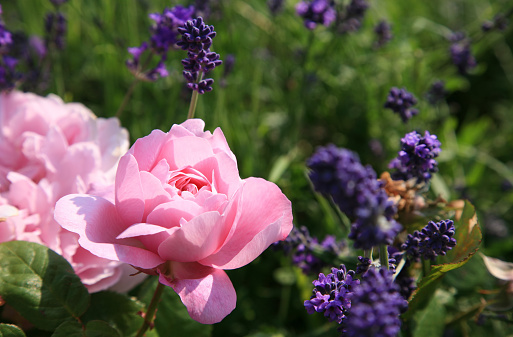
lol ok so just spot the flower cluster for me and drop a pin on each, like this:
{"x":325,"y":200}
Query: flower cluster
{"x":499,"y":22}
{"x":375,"y":306}
{"x":338,"y":173}
{"x":55,"y":28}
{"x":332,"y":294}
{"x":351,"y":18}
{"x":433,"y":240}
{"x":275,"y":6}
{"x":416,"y":157}
{"x":306,"y":248}
{"x":401,"y":101}
{"x":197,"y":40}
{"x":436,"y":92}
{"x":51,"y":149}
{"x":383,"y":32}
{"x":179,"y":209}
{"x":460,"y":52}
{"x":316,"y":12}
{"x":164,"y":36}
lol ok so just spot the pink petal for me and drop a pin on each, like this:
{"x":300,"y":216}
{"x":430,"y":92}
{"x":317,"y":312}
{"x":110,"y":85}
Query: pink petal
{"x":263,"y":216}
{"x":161,"y":171}
{"x":154,"y":193}
{"x":168,"y":215}
{"x":220,"y":145}
{"x":191,"y":127}
{"x":196,"y":239}
{"x":225,"y":173}
{"x":147,"y":149}
{"x":208,"y":300}
{"x":186,"y":151}
{"x":128,"y":189}
{"x":97,"y":223}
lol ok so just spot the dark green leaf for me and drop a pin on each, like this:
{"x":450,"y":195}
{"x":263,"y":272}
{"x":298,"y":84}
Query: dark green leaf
{"x":40,"y":284}
{"x":69,"y":329}
{"x":9,"y":330}
{"x":429,"y":320}
{"x":468,"y":238}
{"x":92,"y":329}
{"x":119,"y":310}
{"x":172,"y":314}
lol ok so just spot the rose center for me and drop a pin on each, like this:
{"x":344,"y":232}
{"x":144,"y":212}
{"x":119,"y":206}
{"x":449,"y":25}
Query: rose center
{"x":190,"y":180}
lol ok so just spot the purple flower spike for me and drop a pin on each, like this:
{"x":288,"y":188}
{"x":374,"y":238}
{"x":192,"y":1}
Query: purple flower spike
{"x":197,"y":40}
{"x":416,"y":158}
{"x":316,"y":12}
{"x":332,"y":294}
{"x":433,"y":240}
{"x":400,"y":101}
{"x":462,"y":57}
{"x":375,"y":306}
{"x":351,"y":19}
{"x":383,"y":32}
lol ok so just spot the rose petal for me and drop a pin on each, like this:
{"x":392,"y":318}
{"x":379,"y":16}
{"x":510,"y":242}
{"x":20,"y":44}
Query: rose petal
{"x":191,"y":127}
{"x":209,"y":299}
{"x":154,"y":193}
{"x":128,"y":189}
{"x":147,"y":149}
{"x":97,"y":223}
{"x":263,"y":216}
{"x":185,"y":151}
{"x":195,"y":239}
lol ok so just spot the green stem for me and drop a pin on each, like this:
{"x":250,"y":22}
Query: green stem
{"x":383,"y":256}
{"x":194,"y":99}
{"x":126,"y":98}
{"x":367,"y":253}
{"x":150,"y":312}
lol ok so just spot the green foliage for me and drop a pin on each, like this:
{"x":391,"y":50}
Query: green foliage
{"x":9,"y":330}
{"x":92,"y":329}
{"x":40,"y":284}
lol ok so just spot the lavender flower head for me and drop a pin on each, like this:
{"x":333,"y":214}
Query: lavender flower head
{"x":375,"y":306}
{"x":383,"y":32}
{"x":436,"y":93}
{"x":332,"y":294}
{"x":400,"y":101}
{"x":55,"y":27}
{"x":351,"y":19}
{"x":197,"y":40}
{"x":164,"y":36}
{"x":338,"y":173}
{"x":416,"y":158}
{"x":460,"y":52}
{"x":433,"y":240}
{"x":316,"y":12}
{"x":275,"y":6}
{"x":500,"y":22}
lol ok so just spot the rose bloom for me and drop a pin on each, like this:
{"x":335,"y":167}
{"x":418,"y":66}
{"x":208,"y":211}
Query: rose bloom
{"x":182,"y":212}
{"x":49,"y":149}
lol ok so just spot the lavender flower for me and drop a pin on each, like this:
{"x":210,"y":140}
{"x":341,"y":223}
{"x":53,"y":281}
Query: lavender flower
{"x":164,"y":36}
{"x":8,"y":74}
{"x":363,"y":264}
{"x":400,"y":101}
{"x":197,"y":40}
{"x":332,"y":294}
{"x":383,"y":32}
{"x":436,"y":93}
{"x":460,"y":53}
{"x":305,"y":248}
{"x":55,"y":27}
{"x":375,"y":306}
{"x":416,"y":158}
{"x":351,"y":19}
{"x":338,"y":173}
{"x":316,"y":12}
{"x":499,"y":22}
{"x":433,"y":240}
{"x":275,"y":6}
{"x":57,"y":3}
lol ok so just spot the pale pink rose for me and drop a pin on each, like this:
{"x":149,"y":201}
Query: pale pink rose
{"x":181,"y":211}
{"x":49,"y":149}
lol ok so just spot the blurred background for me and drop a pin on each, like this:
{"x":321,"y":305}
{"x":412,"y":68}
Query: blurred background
{"x":284,"y":90}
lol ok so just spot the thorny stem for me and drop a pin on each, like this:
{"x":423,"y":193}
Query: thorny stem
{"x":150,"y":312}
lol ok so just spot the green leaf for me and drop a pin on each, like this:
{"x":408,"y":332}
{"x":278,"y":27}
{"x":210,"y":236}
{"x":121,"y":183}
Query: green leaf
{"x":40,"y":284}
{"x":172,"y":314}
{"x":92,"y":329}
{"x":9,"y":330}
{"x":430,"y":319}
{"x":468,"y":238}
{"x":119,"y":310}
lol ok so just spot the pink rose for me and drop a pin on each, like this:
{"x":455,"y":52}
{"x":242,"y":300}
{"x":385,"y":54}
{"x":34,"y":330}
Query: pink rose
{"x":50,"y":149}
{"x":181,"y":211}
